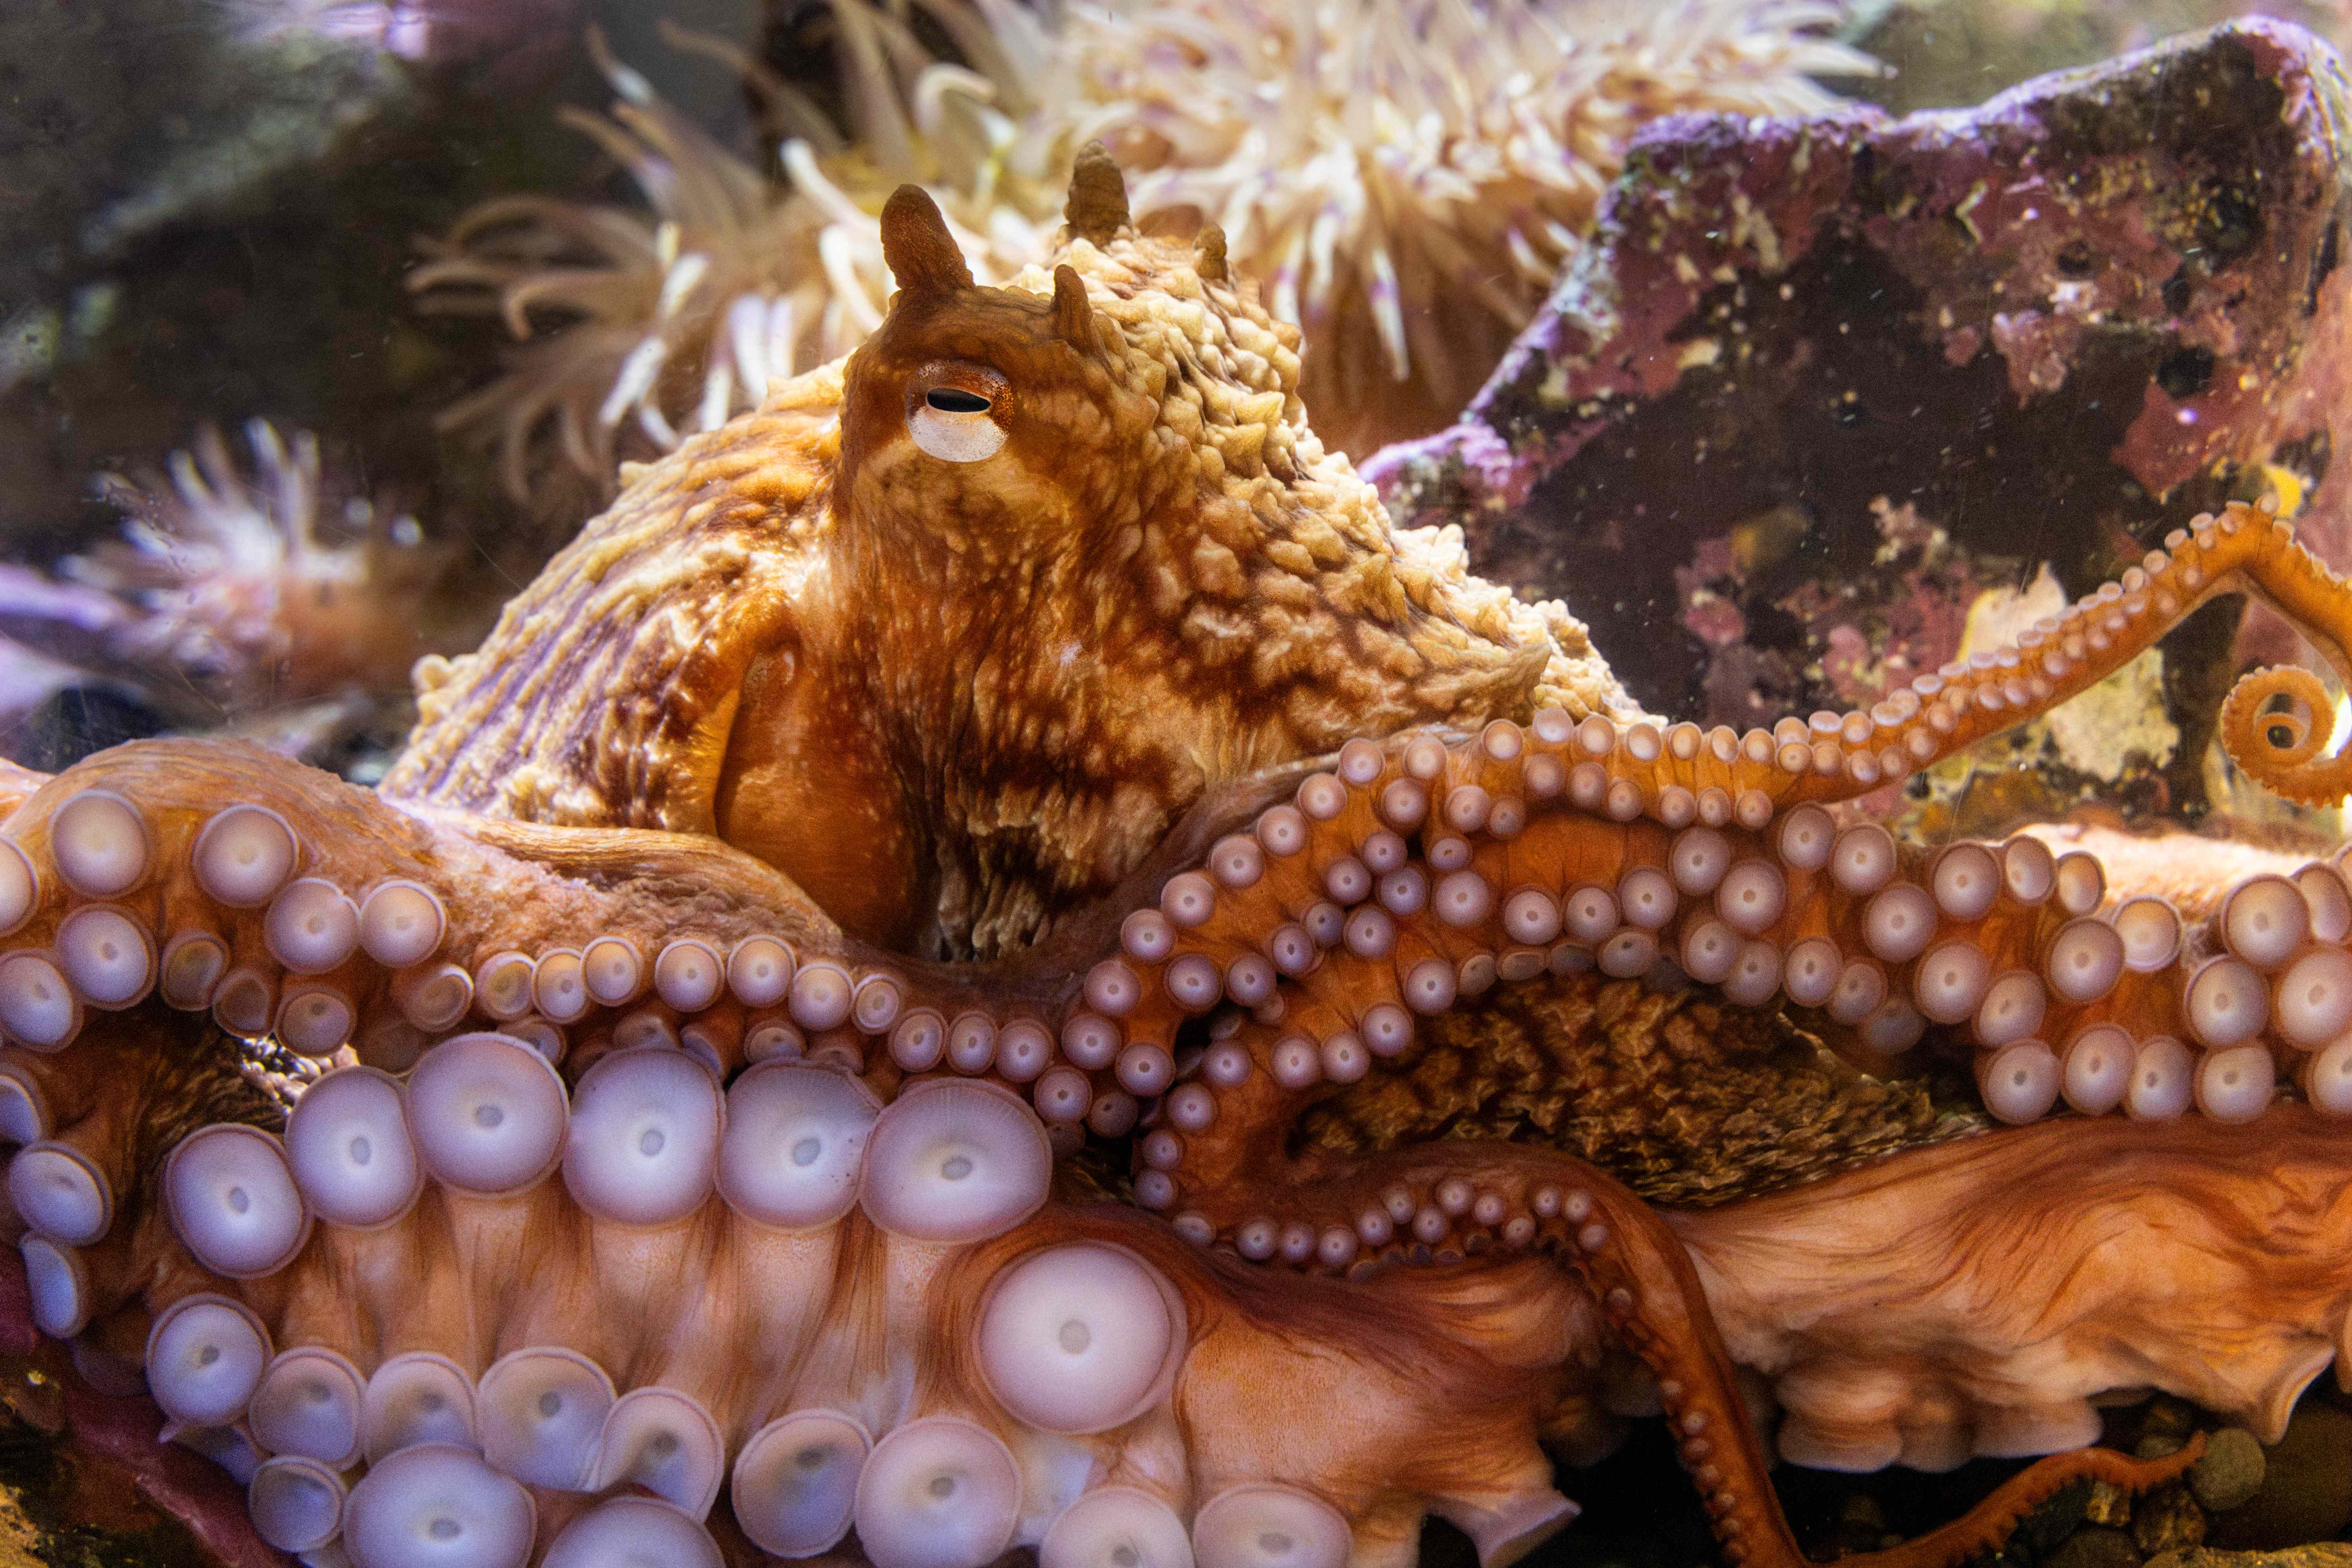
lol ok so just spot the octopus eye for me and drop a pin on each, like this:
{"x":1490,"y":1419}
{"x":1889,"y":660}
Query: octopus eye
{"x":955,"y":424}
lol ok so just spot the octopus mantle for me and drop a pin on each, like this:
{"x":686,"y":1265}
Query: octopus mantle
{"x":532,"y":1161}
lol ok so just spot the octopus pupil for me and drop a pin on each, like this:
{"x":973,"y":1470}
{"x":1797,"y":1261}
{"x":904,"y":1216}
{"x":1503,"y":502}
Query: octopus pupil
{"x":805,"y":1152}
{"x":955,"y":400}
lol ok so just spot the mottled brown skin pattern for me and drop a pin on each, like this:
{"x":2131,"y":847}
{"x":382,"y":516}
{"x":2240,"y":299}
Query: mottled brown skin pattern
{"x":997,"y":722}
{"x":1686,"y":1101}
{"x":951,"y":698}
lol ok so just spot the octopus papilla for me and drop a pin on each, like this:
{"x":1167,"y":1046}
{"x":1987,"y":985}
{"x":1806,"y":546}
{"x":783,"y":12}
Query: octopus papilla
{"x":991,"y":958}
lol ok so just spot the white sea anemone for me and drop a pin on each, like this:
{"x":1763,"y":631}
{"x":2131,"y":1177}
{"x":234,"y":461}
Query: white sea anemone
{"x":632,"y":329}
{"x":1404,"y":176}
{"x":222,"y":600}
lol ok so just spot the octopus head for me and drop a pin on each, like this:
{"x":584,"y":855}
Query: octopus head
{"x":1127,"y":385}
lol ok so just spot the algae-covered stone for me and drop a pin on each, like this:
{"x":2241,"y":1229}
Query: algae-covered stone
{"x":2230,"y":1473}
{"x":2318,"y":1554}
{"x":2095,"y":1546}
{"x":2167,"y":1519}
{"x":2306,"y":1493}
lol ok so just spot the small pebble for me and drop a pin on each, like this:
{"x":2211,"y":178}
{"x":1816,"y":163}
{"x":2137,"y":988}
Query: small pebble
{"x":2095,"y":1546}
{"x":2318,"y":1554}
{"x":2230,"y":1472}
{"x":2306,"y":1484}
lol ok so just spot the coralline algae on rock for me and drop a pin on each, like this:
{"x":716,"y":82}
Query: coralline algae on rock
{"x":1821,"y":383}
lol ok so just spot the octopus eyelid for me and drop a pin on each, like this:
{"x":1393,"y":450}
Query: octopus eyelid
{"x":955,"y":424}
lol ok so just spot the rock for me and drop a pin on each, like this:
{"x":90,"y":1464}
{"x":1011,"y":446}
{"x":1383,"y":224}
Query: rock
{"x":2058,"y":1519}
{"x":2307,"y":1492}
{"x":2095,"y":1546}
{"x":2318,"y":1554}
{"x":1948,"y":52}
{"x":2156,"y":1444}
{"x":2167,"y":1519}
{"x":2107,"y":1504}
{"x":2230,"y":1472}
{"x":1915,"y":359}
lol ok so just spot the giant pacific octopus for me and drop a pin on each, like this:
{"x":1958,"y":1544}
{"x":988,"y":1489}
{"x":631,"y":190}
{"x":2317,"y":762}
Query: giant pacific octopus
{"x":992,"y":958}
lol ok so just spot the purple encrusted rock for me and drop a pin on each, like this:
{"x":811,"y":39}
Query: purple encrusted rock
{"x":1819,"y":384}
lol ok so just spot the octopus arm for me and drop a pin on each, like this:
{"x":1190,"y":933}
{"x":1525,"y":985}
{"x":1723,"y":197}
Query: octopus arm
{"x":279,"y":899}
{"x":2275,"y":724}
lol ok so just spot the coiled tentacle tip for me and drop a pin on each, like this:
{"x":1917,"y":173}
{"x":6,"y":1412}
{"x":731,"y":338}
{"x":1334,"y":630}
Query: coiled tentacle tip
{"x":2275,"y":725}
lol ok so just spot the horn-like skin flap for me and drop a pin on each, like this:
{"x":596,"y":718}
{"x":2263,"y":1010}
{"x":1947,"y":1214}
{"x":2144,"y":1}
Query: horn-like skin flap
{"x":1209,"y":254}
{"x":923,"y":255}
{"x":1074,"y":319}
{"x":1096,"y":209}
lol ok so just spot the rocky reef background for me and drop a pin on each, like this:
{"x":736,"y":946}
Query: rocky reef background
{"x":209,"y":214}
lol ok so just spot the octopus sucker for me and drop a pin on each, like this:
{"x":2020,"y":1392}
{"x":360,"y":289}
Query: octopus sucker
{"x":856,"y":1017}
